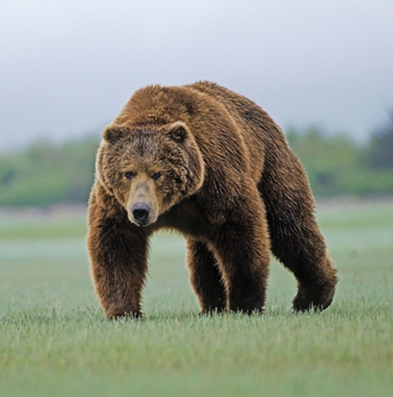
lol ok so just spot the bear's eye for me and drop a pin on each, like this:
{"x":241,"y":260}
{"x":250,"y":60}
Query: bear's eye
{"x":129,"y":175}
{"x":156,"y":175}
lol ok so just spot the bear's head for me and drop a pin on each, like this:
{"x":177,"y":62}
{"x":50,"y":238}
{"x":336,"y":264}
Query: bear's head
{"x":149,"y":169}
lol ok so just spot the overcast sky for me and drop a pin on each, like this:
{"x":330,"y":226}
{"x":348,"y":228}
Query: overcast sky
{"x":67,"y":67}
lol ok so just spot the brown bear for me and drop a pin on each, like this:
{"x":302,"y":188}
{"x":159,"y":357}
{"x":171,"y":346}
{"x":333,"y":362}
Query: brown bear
{"x":211,"y":164}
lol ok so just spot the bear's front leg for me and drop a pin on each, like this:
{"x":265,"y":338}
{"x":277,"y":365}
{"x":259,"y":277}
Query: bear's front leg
{"x":118,"y":256}
{"x":242,"y":249}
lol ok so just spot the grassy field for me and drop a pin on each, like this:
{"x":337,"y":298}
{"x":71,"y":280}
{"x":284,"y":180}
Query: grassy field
{"x":55,"y":341}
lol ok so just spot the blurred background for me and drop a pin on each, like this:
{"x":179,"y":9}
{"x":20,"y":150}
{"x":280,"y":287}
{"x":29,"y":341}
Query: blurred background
{"x":323,"y":70}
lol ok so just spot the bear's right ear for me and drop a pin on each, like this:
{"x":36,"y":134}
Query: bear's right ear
{"x":112,"y":135}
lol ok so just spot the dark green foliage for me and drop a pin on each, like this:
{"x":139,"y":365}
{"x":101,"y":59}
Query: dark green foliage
{"x":380,"y":148}
{"x":46,"y":174}
{"x":326,"y":159}
{"x":338,"y":166}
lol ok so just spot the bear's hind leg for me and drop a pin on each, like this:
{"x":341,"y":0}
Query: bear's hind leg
{"x":205,"y":277}
{"x":294,"y":234}
{"x":303,"y":251}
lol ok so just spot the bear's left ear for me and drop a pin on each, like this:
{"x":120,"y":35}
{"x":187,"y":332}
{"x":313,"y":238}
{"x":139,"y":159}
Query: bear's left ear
{"x":178,"y":131}
{"x":112,"y":135}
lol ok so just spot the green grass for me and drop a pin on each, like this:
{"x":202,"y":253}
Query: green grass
{"x":55,"y":341}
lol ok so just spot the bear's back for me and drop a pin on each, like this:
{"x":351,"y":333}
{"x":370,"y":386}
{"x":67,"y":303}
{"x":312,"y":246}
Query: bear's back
{"x":217,"y":116}
{"x":260,"y":133}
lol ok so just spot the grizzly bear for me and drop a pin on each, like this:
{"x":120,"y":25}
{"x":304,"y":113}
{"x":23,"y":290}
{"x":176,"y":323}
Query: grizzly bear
{"x":211,"y":164}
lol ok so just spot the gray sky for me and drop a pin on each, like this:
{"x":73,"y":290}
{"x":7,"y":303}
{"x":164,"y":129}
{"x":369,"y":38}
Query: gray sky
{"x":67,"y":67}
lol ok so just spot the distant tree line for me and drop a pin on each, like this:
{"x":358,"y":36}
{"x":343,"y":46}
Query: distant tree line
{"x":45,"y":173}
{"x":339,"y":166}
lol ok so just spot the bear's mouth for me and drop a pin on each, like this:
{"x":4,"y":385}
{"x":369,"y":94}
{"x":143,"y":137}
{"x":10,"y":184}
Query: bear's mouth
{"x":141,"y":224}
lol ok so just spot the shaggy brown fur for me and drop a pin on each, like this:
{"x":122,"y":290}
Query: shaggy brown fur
{"x":213,"y":165}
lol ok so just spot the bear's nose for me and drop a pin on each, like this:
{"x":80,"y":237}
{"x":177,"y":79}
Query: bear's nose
{"x":141,"y":212}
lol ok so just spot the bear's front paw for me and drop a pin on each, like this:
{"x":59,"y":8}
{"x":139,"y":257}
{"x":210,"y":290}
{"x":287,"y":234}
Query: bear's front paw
{"x":212,"y":311}
{"x":119,"y":314}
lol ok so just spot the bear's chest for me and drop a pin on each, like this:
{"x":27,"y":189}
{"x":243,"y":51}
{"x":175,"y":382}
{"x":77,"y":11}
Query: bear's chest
{"x":189,"y":217}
